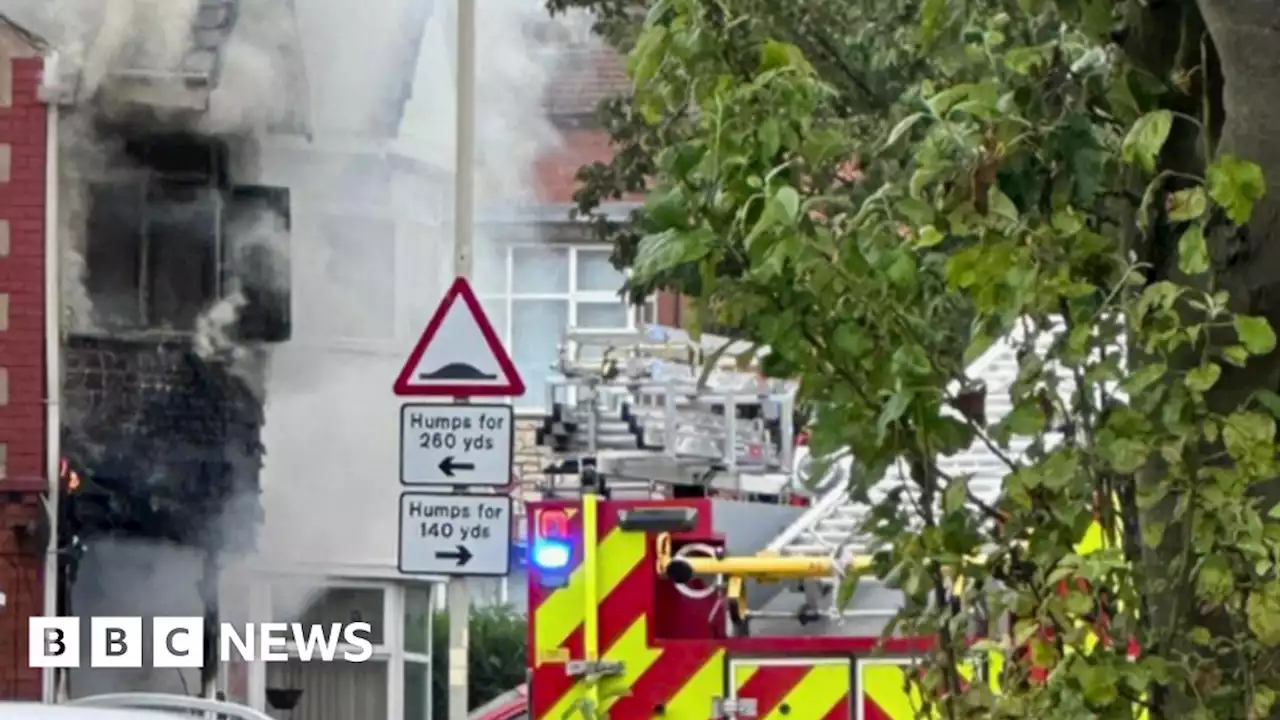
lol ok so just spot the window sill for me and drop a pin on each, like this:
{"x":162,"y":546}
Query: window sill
{"x":156,"y":335}
{"x":529,"y":413}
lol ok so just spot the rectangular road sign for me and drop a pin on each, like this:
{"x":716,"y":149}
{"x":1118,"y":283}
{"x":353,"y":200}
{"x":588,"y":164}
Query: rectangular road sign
{"x":459,"y":535}
{"x":456,"y":445}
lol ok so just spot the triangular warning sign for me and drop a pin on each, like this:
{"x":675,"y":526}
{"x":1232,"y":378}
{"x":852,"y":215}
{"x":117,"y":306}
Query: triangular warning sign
{"x":459,"y":354}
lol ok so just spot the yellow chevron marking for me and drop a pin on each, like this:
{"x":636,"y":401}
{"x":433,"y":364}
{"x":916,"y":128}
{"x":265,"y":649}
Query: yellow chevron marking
{"x":633,"y":651}
{"x":561,"y":613}
{"x":692,"y":701}
{"x":743,"y":673}
{"x":885,"y":684}
{"x":817,"y":692}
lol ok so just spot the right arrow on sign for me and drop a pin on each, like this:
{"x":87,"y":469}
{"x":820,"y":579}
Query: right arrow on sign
{"x":447,"y":466}
{"x":462,"y":555}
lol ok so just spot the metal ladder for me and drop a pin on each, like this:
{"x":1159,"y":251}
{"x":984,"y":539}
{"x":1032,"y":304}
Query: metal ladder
{"x":660,"y":408}
{"x":833,"y":526}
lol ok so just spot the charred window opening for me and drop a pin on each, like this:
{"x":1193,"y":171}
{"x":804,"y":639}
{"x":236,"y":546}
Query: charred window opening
{"x":170,"y":237}
{"x":181,"y":158}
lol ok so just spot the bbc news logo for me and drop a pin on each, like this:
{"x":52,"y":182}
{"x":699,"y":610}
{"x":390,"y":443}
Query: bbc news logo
{"x":179,"y":642}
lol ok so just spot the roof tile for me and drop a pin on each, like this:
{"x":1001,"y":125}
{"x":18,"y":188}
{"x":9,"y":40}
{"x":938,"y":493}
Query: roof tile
{"x":587,"y":75}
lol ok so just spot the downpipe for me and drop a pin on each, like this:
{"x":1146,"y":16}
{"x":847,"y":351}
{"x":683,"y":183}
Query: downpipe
{"x":52,"y":682}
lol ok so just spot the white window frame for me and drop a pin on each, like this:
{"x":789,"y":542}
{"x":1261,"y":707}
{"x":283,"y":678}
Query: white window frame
{"x":530,"y":406}
{"x":391,"y":650}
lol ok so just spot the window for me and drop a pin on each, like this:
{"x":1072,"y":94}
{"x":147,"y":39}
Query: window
{"x":534,"y":292}
{"x":417,"y":690}
{"x":153,"y":254}
{"x":418,"y":610}
{"x":328,"y":691}
{"x":348,"y":605}
{"x":169,"y":239}
{"x":418,"y":636}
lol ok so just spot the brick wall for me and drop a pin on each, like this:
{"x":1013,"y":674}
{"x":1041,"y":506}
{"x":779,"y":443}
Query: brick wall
{"x":22,"y":377}
{"x":554,"y":172}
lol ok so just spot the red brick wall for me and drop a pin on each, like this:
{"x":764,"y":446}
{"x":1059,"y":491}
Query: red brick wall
{"x":555,"y":171}
{"x":22,"y":376}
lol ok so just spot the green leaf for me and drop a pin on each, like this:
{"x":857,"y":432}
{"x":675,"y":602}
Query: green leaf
{"x":1097,"y":16}
{"x":1268,"y":400}
{"x":664,"y":210}
{"x":775,"y":55}
{"x":1214,"y":581}
{"x":1200,"y":636}
{"x":789,"y":199}
{"x":928,"y":237}
{"x":1152,"y":533}
{"x":931,"y":12}
{"x":1003,"y":206}
{"x":1193,"y":251}
{"x":954,"y":496}
{"x":1023,"y":60}
{"x":1264,"y":698}
{"x":1203,"y":377}
{"x":848,"y":588}
{"x":1187,"y":204}
{"x":780,"y":209}
{"x":1255,"y":334}
{"x":648,"y":53}
{"x":916,"y":211}
{"x":1263,"y":612}
{"x":1144,"y":377}
{"x":665,"y":250}
{"x":1146,"y":138}
{"x":1067,"y":222}
{"x":942,"y":103}
{"x":895,"y":408}
{"x":770,"y":134}
{"x":1026,"y":418}
{"x":1242,"y":432}
{"x":1098,"y":684}
{"x":1236,"y":185}
{"x":1237,"y":355}
{"x":903,"y":127}
{"x":1126,"y":455}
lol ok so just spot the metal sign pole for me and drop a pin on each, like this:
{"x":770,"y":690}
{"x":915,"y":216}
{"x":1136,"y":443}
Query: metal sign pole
{"x":459,"y":595}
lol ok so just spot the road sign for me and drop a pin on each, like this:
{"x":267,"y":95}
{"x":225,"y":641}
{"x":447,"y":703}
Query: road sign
{"x":460,"y":535}
{"x":456,"y":444}
{"x":459,"y":354}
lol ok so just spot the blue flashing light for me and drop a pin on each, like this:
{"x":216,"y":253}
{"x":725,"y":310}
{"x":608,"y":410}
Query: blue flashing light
{"x":551,"y":555}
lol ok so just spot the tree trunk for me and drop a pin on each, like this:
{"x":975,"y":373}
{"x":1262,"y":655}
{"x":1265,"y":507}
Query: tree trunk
{"x":1244,"y":34}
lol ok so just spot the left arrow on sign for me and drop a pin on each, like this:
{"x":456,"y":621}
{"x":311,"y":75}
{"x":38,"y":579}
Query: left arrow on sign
{"x":447,"y":466}
{"x":462,"y":555}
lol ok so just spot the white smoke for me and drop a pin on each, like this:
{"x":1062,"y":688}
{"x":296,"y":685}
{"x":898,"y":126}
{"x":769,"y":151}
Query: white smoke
{"x":330,"y":484}
{"x":331,"y":481}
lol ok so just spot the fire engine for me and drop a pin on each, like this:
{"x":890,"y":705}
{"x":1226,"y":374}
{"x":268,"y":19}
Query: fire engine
{"x":682,"y":561}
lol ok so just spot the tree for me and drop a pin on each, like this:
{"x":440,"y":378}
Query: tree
{"x":497,"y":661}
{"x":880,"y":190}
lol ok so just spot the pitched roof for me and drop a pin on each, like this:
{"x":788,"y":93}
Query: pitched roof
{"x":31,"y":38}
{"x":587,"y":74}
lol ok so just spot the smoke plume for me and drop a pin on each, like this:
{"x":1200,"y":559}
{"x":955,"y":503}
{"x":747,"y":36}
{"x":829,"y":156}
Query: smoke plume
{"x":370,"y":173}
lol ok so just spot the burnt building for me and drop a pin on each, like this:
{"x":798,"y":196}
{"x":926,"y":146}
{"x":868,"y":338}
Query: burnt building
{"x":26,"y":385}
{"x":169,"y":271}
{"x":239,"y":267}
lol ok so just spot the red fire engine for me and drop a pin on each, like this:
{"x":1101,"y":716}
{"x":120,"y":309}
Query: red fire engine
{"x":681,"y":565}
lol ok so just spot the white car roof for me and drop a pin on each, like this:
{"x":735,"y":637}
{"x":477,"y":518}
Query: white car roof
{"x":37,"y":711}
